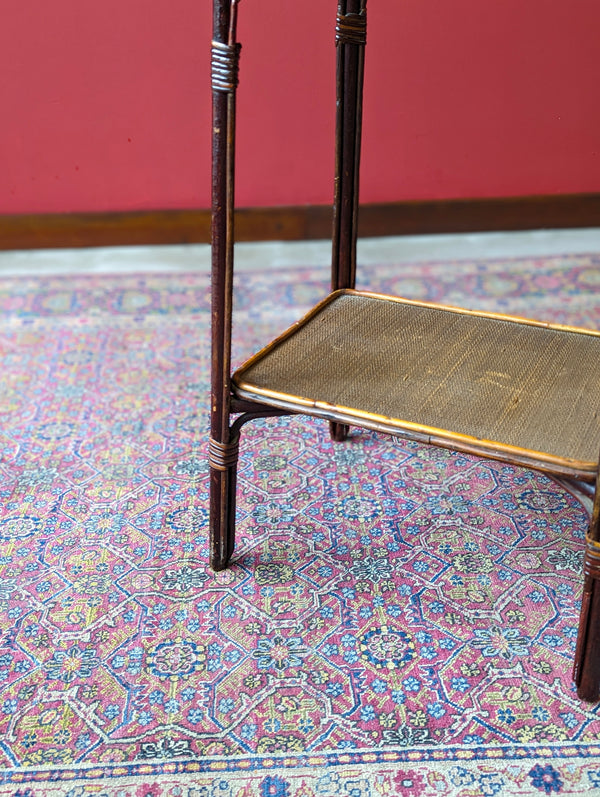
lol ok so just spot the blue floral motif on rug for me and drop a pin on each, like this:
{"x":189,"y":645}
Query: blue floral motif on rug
{"x":397,"y":619}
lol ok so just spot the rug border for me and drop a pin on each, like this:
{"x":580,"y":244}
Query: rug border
{"x":248,"y":763}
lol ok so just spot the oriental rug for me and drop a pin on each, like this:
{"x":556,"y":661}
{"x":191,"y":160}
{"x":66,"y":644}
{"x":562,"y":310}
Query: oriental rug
{"x":397,"y":620}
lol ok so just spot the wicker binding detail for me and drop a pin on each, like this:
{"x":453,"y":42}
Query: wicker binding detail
{"x":591,"y":562}
{"x":483,"y":383}
{"x":351,"y":28}
{"x":222,"y":456}
{"x":225,"y":60}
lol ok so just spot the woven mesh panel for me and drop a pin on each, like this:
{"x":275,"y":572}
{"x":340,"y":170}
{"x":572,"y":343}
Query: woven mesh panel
{"x":516,"y":384}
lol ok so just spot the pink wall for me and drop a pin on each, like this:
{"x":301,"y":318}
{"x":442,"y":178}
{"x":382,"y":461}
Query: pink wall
{"x":106,"y":106}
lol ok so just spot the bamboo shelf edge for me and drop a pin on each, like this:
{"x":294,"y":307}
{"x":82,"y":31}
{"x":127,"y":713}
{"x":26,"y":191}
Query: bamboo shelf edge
{"x":584,"y":470}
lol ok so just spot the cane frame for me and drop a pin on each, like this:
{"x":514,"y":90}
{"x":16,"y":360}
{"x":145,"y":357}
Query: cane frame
{"x":237,"y":396}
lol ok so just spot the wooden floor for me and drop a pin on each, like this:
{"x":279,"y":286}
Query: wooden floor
{"x":280,"y":254}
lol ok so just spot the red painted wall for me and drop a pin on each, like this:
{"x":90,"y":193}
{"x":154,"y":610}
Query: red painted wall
{"x":106,"y":106}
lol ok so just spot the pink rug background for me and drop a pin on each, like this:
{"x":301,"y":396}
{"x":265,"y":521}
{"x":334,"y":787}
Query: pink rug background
{"x":386,"y":599}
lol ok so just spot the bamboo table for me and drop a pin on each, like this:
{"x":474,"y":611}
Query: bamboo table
{"x":516,"y":390}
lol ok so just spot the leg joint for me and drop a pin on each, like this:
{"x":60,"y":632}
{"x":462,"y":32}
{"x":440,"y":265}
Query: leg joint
{"x":222,"y":456}
{"x":591,"y":562}
{"x":351,"y":28}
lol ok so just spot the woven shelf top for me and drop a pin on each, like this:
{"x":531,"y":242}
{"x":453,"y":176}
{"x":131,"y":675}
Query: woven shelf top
{"x":473,"y":381}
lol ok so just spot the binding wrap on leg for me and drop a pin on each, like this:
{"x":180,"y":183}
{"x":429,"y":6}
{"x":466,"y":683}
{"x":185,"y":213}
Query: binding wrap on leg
{"x":591,"y":574}
{"x":351,"y":28}
{"x":225,"y":60}
{"x":591,"y":562}
{"x":222,"y":456}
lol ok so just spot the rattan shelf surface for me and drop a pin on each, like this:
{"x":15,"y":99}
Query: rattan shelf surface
{"x":491,"y":384}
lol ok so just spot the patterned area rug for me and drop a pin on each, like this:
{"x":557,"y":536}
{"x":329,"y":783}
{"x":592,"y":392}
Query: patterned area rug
{"x":398,"y":620}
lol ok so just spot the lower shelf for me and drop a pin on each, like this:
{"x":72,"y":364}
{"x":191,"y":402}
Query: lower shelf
{"x":513,"y":389}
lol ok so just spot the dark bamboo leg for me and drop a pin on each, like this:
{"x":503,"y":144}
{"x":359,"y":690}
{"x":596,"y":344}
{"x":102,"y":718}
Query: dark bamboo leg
{"x":350,"y":44}
{"x":586,"y":670}
{"x":338,"y":431}
{"x":223,"y":447}
{"x":223,"y":477}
